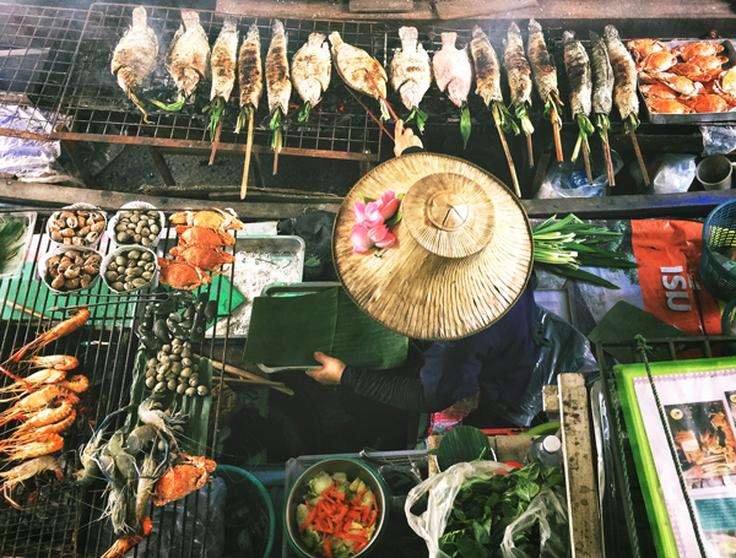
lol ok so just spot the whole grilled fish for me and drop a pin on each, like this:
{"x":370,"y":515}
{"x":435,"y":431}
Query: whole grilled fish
{"x":135,"y":55}
{"x":250,"y":70}
{"x":188,"y":54}
{"x":359,"y":70}
{"x":543,"y":68}
{"x":487,"y":68}
{"x":224,"y":61}
{"x":624,"y":72}
{"x":311,"y":69}
{"x":278,"y":82}
{"x":452,"y":70}
{"x":411,"y":75}
{"x":577,"y":65}
{"x":602,"y":75}
{"x":517,"y":68}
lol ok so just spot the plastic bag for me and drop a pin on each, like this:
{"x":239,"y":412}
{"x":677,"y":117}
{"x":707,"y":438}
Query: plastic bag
{"x":442,"y":489}
{"x":718,"y":140}
{"x":548,"y":512}
{"x":676,"y":173}
{"x":562,"y":348}
{"x":568,"y":180}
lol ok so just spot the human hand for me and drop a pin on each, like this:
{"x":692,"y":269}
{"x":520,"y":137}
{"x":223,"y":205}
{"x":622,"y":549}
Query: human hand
{"x":330,"y":372}
{"x":404,"y":138}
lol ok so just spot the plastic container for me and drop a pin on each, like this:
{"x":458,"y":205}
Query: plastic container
{"x":76,"y":207}
{"x":136,"y":205}
{"x":43,"y":264}
{"x":352,"y":468}
{"x":717,"y":269}
{"x":235,"y":476}
{"x":126,"y":248}
{"x":14,"y":266}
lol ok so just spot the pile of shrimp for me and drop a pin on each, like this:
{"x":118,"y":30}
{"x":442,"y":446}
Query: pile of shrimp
{"x":40,"y":407}
{"x":687,"y":78}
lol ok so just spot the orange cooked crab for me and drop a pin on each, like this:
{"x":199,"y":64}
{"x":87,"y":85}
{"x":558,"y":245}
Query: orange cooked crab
{"x":682,"y":85}
{"x":667,"y":106}
{"x":208,"y":218}
{"x":701,"y":48}
{"x":181,"y":275}
{"x":707,"y":103}
{"x":200,"y":236}
{"x":658,"y":62}
{"x":691,"y":71}
{"x":203,"y":257}
{"x":709,"y":63}
{"x":658,"y":91}
{"x":190,"y":474}
{"x":641,"y":48}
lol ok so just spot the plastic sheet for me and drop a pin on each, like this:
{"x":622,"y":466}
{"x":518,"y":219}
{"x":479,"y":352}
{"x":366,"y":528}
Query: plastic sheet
{"x":675,"y":174}
{"x":545,"y":514}
{"x":568,"y":180}
{"x":718,"y":140}
{"x":441,"y":490}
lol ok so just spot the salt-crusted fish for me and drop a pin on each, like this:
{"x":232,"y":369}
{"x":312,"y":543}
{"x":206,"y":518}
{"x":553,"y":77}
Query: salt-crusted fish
{"x":311,"y":70}
{"x":250,"y":75}
{"x":223,"y":63}
{"x":410,"y":73}
{"x":453,"y":74}
{"x":278,"y":81}
{"x":359,"y":70}
{"x":624,"y":72}
{"x":519,"y":75}
{"x":602,"y":96}
{"x":577,"y":65}
{"x":545,"y":79}
{"x":134,"y":57}
{"x":187,"y":59}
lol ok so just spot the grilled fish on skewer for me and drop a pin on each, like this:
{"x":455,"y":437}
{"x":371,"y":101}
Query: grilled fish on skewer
{"x":360,"y":70}
{"x":624,"y":71}
{"x":519,"y":77}
{"x":278,"y":86}
{"x":187,"y":59}
{"x":602,"y":96}
{"x":311,"y":69}
{"x":488,"y":87}
{"x":454,"y":75}
{"x":134,"y":57}
{"x":577,"y":65}
{"x":250,"y":75}
{"x":223,"y":63}
{"x":250,"y":78}
{"x":545,"y":78}
{"x":411,"y":75}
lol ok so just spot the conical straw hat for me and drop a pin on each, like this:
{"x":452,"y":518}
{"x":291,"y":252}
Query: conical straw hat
{"x":464,"y":250}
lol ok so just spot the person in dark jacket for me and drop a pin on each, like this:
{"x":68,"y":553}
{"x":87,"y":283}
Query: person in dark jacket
{"x":497,"y":362}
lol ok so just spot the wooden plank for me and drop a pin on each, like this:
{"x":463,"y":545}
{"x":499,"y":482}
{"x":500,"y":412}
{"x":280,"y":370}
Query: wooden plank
{"x":328,"y":9}
{"x":380,"y":6}
{"x":463,"y":9}
{"x":580,"y":481}
{"x":551,"y":402}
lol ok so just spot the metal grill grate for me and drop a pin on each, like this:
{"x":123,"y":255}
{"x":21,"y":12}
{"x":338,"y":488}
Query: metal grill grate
{"x":99,"y":110}
{"x":37,"y":45}
{"x":63,"y":520}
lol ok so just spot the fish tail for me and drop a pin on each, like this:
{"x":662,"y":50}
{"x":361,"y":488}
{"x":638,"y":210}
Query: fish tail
{"x":140,"y":17}
{"x":408,"y":36}
{"x":385,"y":114}
{"x":229,"y":24}
{"x":335,"y":39}
{"x":277,"y":26}
{"x":449,"y":38}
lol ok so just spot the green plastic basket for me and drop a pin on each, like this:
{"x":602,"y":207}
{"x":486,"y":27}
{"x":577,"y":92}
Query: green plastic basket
{"x":719,"y":234}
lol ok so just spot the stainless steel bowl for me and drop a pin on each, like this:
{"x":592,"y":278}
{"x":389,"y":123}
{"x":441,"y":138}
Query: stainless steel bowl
{"x":353,"y":468}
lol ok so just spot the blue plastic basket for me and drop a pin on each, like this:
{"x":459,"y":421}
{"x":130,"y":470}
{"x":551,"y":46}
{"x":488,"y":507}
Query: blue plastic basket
{"x":719,"y":233}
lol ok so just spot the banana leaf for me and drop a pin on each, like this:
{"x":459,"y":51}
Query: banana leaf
{"x":286,"y":331}
{"x":196,"y":408}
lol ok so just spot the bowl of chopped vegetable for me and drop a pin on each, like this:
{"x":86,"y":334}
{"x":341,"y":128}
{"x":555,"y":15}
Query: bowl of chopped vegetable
{"x":336,"y":509}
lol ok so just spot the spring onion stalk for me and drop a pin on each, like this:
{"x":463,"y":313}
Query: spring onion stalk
{"x":563,"y":246}
{"x":631,"y":123}
{"x":465,"y":124}
{"x":585,"y":129}
{"x":176,"y":106}
{"x":602,"y":124}
{"x":522,"y":115}
{"x":502,"y":115}
{"x":275,"y":124}
{"x":553,"y":107}
{"x":419,"y":116}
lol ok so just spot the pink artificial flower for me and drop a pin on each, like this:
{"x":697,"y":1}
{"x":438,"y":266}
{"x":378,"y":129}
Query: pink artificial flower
{"x":388,"y":241}
{"x":359,"y":212}
{"x":389,"y":204}
{"x":381,"y":236}
{"x":360,"y":239}
{"x":373,"y":214}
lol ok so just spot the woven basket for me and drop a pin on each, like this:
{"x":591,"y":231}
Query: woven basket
{"x":464,"y":251}
{"x":719,"y":234}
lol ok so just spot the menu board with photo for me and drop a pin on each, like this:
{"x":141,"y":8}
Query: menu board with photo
{"x":698,"y":398}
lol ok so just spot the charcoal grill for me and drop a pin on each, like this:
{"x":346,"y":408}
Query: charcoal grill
{"x":63,"y":520}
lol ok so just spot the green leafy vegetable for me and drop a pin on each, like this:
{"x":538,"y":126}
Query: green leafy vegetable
{"x":465,"y":124}
{"x":176,"y":106}
{"x":419,"y":116}
{"x":461,"y":444}
{"x":603,"y":124}
{"x":304,"y":112}
{"x":502,"y":115}
{"x":585,"y":129}
{"x":485,"y":506}
{"x":11,"y":233}
{"x":245,"y":113}
{"x":631,"y":123}
{"x":275,"y":124}
{"x":522,"y":115}
{"x":216,"y":108}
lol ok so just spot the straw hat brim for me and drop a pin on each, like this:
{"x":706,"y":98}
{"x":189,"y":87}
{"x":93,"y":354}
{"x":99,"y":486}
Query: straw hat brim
{"x":418,"y":293}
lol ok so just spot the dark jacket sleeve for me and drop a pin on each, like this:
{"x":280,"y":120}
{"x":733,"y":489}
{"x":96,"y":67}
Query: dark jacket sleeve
{"x":412,"y":149}
{"x":386,"y":386}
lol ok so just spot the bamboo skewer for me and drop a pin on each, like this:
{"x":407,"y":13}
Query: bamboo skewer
{"x":215,"y":143}
{"x":23,"y":309}
{"x":586,"y":161}
{"x":276,"y":152}
{"x":556,"y":133}
{"x":373,"y":116}
{"x":640,"y":159}
{"x":530,"y":150}
{"x":248,"y":152}
{"x":608,"y":159}
{"x":250,"y":376}
{"x":509,"y":160}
